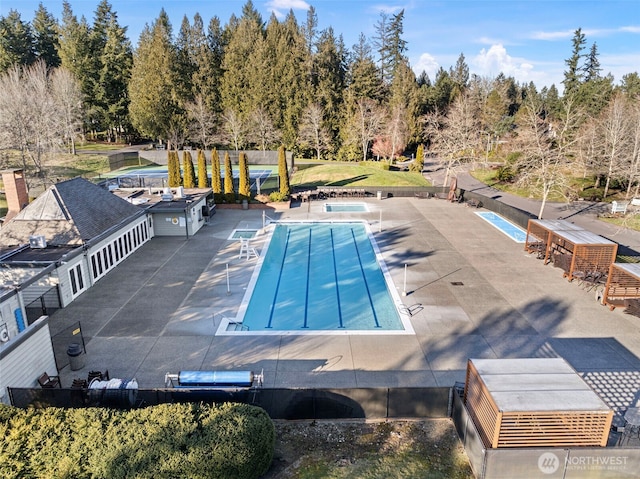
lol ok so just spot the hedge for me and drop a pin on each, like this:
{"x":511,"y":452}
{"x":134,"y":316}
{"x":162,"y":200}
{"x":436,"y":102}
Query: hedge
{"x":234,"y":441}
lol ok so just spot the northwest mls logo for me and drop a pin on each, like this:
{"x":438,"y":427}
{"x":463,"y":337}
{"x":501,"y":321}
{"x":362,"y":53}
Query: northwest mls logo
{"x":548,"y":463}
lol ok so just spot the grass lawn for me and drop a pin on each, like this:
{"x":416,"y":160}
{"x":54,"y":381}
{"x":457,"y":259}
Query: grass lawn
{"x":91,"y":146}
{"x":630,"y":221}
{"x":353,"y":175}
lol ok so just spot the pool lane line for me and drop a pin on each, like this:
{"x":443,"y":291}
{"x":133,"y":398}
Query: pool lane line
{"x":306,"y":299}
{"x":275,"y":294}
{"x":335,"y":276}
{"x":364,"y":278}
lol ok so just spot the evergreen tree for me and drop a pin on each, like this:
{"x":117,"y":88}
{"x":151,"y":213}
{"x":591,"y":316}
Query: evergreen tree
{"x":45,"y":32}
{"x":283,"y":173}
{"x":16,"y":42}
{"x":443,"y":91}
{"x":244,"y":186}
{"x":154,"y":109}
{"x":405,"y":95}
{"x":573,"y":76}
{"x":592,"y":65}
{"x":418,"y":164}
{"x":459,"y":76}
{"x":286,"y":59}
{"x":364,"y":77}
{"x":391,"y":46}
{"x":187,"y":167}
{"x":202,"y":170}
{"x":330,"y":76}
{"x":229,"y":192}
{"x":631,"y":85}
{"x":173,"y":168}
{"x":112,"y":96}
{"x":216,"y":43}
{"x":241,"y":77}
{"x":76,"y":56}
{"x":216,"y":178}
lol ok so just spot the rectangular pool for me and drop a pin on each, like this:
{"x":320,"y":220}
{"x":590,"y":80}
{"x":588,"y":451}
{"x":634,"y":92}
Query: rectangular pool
{"x":345,"y":208}
{"x":242,"y":234}
{"x":514,"y":232}
{"x":322,"y":277}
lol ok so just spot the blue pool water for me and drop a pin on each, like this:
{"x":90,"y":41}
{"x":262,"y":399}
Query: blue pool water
{"x":242,"y":234}
{"x":320,"y":276}
{"x":345,"y":208}
{"x":514,"y":232}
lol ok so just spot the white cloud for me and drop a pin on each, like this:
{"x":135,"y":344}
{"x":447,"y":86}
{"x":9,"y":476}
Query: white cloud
{"x":427,"y":63}
{"x":630,"y":29}
{"x":553,"y":35}
{"x":282,"y":7}
{"x":496,"y":59}
{"x":388,"y":9}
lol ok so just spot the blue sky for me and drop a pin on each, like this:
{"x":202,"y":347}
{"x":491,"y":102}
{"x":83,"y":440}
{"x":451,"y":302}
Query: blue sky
{"x":526,"y":39}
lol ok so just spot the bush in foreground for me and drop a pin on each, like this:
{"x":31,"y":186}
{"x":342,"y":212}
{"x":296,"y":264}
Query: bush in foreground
{"x":171,"y":440}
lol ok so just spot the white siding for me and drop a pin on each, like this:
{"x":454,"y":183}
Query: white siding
{"x":107,"y":254}
{"x":22,"y":365}
{"x":8,"y":317}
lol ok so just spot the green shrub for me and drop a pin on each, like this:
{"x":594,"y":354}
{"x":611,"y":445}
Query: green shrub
{"x":234,"y":441}
{"x":505,"y":174}
{"x":277,"y":197}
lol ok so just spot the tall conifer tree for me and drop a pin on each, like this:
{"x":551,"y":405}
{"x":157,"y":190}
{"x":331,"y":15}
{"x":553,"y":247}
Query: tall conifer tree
{"x":216,"y":178}
{"x":283,"y":173}
{"x":244,"y":186}
{"x":187,"y":167}
{"x":173,"y":168}
{"x":229,"y":191}
{"x":202,"y":170}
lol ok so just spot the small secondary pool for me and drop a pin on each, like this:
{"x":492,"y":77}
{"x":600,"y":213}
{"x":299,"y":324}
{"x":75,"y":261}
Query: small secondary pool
{"x":242,"y":234}
{"x":514,"y":232}
{"x":322,"y":277}
{"x":345,"y":208}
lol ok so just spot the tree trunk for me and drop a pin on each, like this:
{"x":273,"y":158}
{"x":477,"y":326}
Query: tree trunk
{"x":606,"y":187}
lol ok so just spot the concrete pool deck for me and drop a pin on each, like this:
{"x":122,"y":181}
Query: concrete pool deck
{"x":474,"y":293}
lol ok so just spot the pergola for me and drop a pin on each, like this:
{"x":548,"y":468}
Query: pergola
{"x":539,"y":235}
{"x":534,"y":402}
{"x":582,"y":254}
{"x":623,"y":286}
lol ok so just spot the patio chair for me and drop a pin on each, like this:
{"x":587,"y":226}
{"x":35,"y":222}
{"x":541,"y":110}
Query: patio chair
{"x":47,"y":382}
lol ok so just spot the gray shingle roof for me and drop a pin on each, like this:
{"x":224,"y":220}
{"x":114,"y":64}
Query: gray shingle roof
{"x":69,"y":212}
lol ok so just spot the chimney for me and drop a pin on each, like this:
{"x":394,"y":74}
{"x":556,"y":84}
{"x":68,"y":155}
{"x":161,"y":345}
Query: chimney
{"x":15,"y":190}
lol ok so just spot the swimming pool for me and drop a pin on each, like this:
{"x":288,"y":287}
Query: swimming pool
{"x":345,"y":208}
{"x":243,"y":234}
{"x":514,"y":232}
{"x":321,"y":277}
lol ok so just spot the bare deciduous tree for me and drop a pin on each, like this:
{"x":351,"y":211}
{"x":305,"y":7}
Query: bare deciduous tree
{"x":29,"y":116}
{"x":67,"y":99}
{"x":261,"y":129}
{"x":397,"y":130}
{"x":368,"y":121}
{"x":546,"y":145}
{"x":202,"y":122}
{"x":455,"y":137}
{"x":312,"y":131}
{"x":634,"y":147}
{"x":233,"y":129}
{"x":614,"y":128}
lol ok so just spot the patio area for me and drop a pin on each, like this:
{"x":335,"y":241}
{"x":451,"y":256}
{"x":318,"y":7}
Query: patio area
{"x":473,"y":293}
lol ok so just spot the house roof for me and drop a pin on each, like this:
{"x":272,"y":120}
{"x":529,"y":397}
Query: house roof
{"x":71,"y":212}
